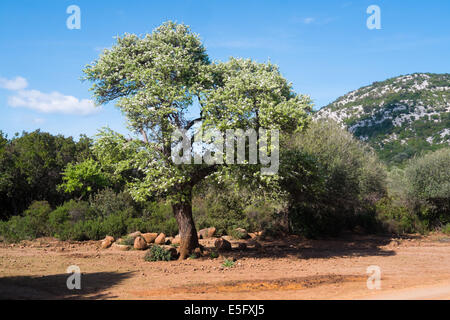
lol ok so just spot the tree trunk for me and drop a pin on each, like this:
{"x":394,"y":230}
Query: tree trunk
{"x":186,"y":226}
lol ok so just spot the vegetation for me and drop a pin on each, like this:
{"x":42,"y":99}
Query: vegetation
{"x":157,"y":253}
{"x":329,"y":181}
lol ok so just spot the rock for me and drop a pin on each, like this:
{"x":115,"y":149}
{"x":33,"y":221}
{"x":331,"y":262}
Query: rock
{"x":134,"y":234}
{"x":222,"y":244}
{"x":207,"y":233}
{"x":120,"y":247}
{"x":160,"y":239}
{"x":242,"y":246}
{"x":149,"y":237}
{"x":110,"y":238}
{"x":228,"y":238}
{"x":252,"y":235}
{"x":169,"y":240}
{"x":140,"y":243}
{"x":105,"y":244}
{"x":199,"y":235}
{"x":176,"y":240}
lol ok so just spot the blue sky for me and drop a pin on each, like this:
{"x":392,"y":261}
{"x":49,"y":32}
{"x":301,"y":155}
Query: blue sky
{"x":323,"y":47}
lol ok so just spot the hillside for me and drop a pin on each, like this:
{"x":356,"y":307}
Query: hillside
{"x":399,"y":117}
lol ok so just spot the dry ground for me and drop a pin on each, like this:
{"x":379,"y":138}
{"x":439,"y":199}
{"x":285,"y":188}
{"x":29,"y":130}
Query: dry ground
{"x":412,"y":268}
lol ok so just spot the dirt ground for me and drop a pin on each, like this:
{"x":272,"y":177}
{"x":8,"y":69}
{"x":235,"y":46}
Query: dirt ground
{"x":412,"y":267}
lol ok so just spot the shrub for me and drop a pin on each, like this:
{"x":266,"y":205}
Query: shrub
{"x":37,"y":216}
{"x":228,"y":263}
{"x":107,"y":202}
{"x":128,"y":241}
{"x":330,"y":179}
{"x":17,"y":228}
{"x":157,"y":253}
{"x":446,"y":229}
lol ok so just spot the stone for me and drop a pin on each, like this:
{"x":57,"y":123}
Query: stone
{"x":160,"y":239}
{"x":105,"y":244}
{"x":176,"y":240}
{"x":121,"y":247}
{"x":149,"y":237}
{"x":169,"y":240}
{"x":222,"y":244}
{"x":207,"y":233}
{"x":110,"y":238}
{"x":134,"y":234}
{"x":253,"y":235}
{"x":140,"y":243}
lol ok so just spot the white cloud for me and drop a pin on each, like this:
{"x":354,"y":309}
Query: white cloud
{"x":54,"y":102}
{"x":308,"y":20}
{"x":18,"y":83}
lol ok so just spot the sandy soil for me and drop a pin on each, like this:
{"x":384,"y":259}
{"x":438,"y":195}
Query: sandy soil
{"x":411,"y":268}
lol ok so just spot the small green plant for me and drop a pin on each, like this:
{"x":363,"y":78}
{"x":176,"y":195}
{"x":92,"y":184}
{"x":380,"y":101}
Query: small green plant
{"x":193,"y":256}
{"x":228,"y":263}
{"x":214,"y":255}
{"x":158,"y":253}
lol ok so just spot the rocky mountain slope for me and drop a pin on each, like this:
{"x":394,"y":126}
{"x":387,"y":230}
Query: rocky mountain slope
{"x":399,"y":117}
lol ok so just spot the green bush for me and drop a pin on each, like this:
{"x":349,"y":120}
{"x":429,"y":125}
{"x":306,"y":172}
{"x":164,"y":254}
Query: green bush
{"x":331,"y":179}
{"x":446,"y":229}
{"x":157,"y":253}
{"x":107,"y":202}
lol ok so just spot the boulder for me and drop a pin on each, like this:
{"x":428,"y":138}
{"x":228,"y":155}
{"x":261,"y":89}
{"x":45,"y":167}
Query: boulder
{"x":176,"y":240}
{"x":150,"y":237}
{"x":222,"y":244}
{"x":105,"y":244}
{"x":140,"y":243}
{"x":110,"y":238}
{"x":134,"y":234}
{"x":120,"y":247}
{"x":160,"y":239}
{"x":207,"y":233}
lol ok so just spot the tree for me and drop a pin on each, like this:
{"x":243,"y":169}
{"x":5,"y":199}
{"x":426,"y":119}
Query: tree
{"x":428,"y":180}
{"x":31,"y":165}
{"x":331,"y":179}
{"x":154,"y":81}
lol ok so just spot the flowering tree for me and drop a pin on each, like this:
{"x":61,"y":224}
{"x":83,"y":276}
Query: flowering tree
{"x":154,"y":80}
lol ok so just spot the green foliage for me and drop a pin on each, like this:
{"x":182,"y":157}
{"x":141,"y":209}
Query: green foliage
{"x":214,"y":255}
{"x":428,"y":178}
{"x":228,"y":263}
{"x":37,"y":216}
{"x":83,"y":178}
{"x":332,"y":180}
{"x":446,"y":229}
{"x":128,"y":241}
{"x":237,"y":234}
{"x":30,"y":168}
{"x":107,"y":201}
{"x":157,"y":253}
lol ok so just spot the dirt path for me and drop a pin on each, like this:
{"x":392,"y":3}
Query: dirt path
{"x":411,"y":268}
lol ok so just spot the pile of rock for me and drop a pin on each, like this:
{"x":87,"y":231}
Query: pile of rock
{"x":141,"y":241}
